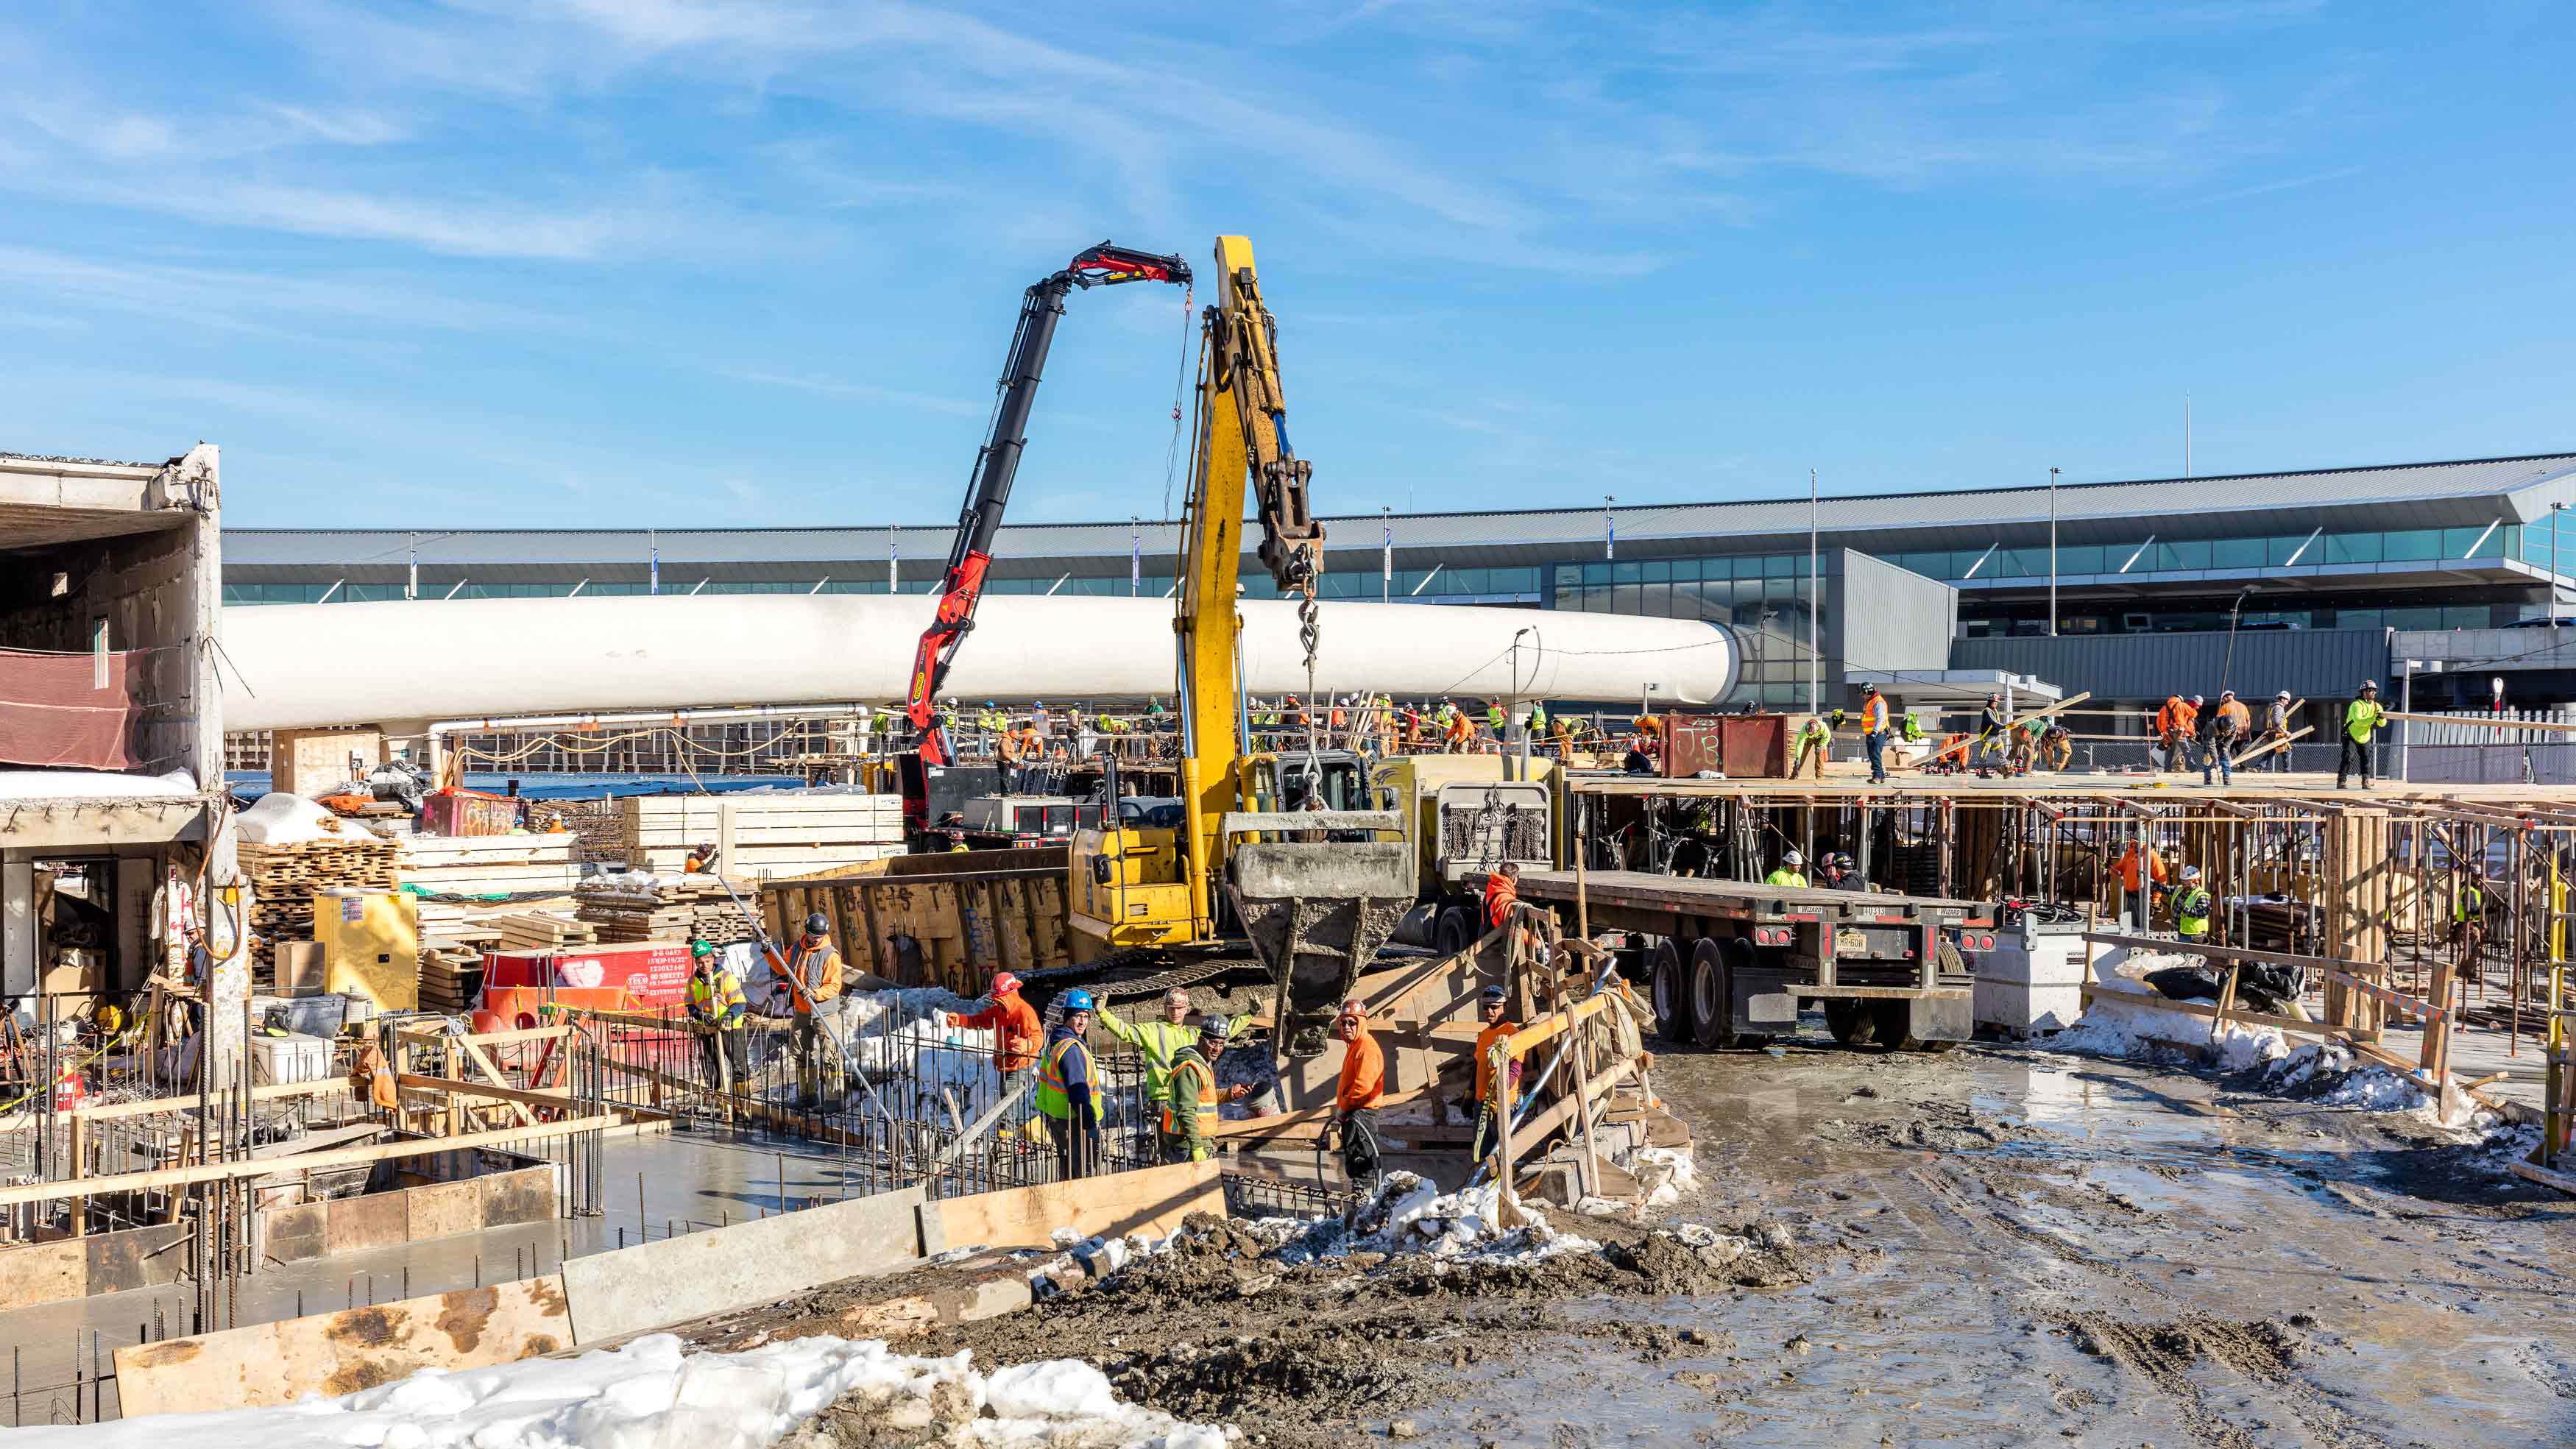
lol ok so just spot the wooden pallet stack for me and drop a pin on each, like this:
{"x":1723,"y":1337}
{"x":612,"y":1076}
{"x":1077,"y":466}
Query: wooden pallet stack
{"x":540,"y":931}
{"x":491,"y":864}
{"x":284,"y":878}
{"x":664,"y":908}
{"x":763,"y":833}
{"x":451,"y":977}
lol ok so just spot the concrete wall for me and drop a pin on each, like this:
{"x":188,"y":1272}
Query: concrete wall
{"x":653,"y":1284}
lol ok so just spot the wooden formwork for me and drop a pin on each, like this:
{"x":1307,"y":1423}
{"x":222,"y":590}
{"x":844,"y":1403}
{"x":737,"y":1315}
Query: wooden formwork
{"x":935,"y":920}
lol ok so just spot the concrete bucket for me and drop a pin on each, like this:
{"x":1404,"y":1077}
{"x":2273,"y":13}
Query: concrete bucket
{"x":1318,"y":891}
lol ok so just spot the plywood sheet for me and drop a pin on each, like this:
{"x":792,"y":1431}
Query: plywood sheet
{"x":1152,"y":1200}
{"x":294,"y":1234}
{"x":340,"y":1353}
{"x":133,"y":1258}
{"x":672,"y":1280}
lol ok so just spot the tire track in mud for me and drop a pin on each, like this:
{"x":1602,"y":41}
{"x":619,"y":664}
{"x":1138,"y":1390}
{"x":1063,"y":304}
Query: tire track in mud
{"x":2161,"y":1353}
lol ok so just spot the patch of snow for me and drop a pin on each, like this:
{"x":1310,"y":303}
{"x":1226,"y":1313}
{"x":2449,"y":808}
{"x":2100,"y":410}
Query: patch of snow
{"x":1408,"y":1214}
{"x":2377,"y":1089}
{"x":95,"y":785}
{"x":2311,"y":1062}
{"x":2134,"y":1025}
{"x":282,"y":817}
{"x":651,"y":1393}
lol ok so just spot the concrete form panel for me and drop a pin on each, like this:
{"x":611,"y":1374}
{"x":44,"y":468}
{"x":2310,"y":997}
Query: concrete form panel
{"x":340,"y":1353}
{"x":524,"y":1196}
{"x":381,"y":1220}
{"x":1152,"y":1200}
{"x":673,"y":1280}
{"x":441,"y":1209}
{"x":135,"y":1258}
{"x":295,"y":1233}
{"x":43,"y":1273}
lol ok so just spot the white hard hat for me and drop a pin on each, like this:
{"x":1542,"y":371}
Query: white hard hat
{"x":1791,"y":857}
{"x":2284,"y":694}
{"x":2190,"y":873}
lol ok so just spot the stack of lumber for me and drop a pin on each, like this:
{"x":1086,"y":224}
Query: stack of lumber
{"x":490,"y":864}
{"x":539,"y":931}
{"x":762,"y":833}
{"x":643,"y":907}
{"x":451,"y":977}
{"x":283,"y":879}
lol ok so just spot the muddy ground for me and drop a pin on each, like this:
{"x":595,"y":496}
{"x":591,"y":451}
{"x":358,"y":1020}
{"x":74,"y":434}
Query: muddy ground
{"x":1993,"y":1246}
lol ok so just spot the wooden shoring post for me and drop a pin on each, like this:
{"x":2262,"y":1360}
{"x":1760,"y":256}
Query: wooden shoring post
{"x":2218,"y":1019}
{"x":1499,"y":1064}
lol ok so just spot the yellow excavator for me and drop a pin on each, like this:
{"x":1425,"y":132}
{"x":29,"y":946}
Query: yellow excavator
{"x":1260,"y":848}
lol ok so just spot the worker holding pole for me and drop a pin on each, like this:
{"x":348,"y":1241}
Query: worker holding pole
{"x":813,"y":972}
{"x":1161,"y":1043}
{"x":2276,"y":731}
{"x":716,"y":1005}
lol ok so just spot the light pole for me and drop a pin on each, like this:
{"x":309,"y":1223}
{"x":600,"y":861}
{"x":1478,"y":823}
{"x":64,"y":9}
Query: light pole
{"x":2235,"y":612}
{"x":2052,"y":553}
{"x":1815,"y":636}
{"x":2554,"y":510}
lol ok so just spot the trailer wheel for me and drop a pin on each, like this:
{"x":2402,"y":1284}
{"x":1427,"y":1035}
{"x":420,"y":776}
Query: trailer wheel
{"x":1453,"y":933}
{"x":1895,"y":1022}
{"x":1673,"y":1019}
{"x":1712,"y":1014}
{"x":1853,"y":1024}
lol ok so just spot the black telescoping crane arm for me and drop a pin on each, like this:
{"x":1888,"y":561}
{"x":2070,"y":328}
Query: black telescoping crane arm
{"x":989,"y":491}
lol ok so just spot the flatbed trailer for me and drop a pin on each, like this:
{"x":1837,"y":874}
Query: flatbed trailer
{"x":1732,"y":964}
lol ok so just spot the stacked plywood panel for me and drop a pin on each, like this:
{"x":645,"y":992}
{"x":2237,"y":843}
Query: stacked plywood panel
{"x":283,"y":879}
{"x":764,"y":833}
{"x":641,"y":907}
{"x":542,"y":931}
{"x":491,"y":864}
{"x":451,"y":977}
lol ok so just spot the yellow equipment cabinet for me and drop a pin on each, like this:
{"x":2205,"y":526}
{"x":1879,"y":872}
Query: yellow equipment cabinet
{"x":370,"y":943}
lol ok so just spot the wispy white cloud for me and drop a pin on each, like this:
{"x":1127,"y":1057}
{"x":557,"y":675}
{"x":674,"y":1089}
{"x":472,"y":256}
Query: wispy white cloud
{"x":872,"y":392}
{"x":233,"y":298}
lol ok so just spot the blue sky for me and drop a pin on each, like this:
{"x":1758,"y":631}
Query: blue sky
{"x":568,"y":262}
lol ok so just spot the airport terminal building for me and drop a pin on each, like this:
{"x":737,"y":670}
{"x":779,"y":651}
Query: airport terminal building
{"x":2326,"y":576}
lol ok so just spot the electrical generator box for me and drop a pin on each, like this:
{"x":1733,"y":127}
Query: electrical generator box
{"x":370,"y":943}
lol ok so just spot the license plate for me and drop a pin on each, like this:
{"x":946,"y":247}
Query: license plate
{"x":1851,"y":943}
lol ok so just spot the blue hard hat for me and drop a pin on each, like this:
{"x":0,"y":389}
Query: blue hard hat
{"x":1077,"y":1000}
{"x":1495,"y":995}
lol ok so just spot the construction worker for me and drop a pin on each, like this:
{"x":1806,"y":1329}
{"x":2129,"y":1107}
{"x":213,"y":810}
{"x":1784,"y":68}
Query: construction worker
{"x":813,"y":977}
{"x":2361,"y":719}
{"x":1038,"y":718}
{"x":2057,"y":746}
{"x":1190,"y":1103}
{"x":1012,"y":1018}
{"x":1409,"y":727}
{"x":2276,"y":732}
{"x":2171,"y":731}
{"x":1502,"y":892}
{"x":2142,"y":875}
{"x":1992,"y":729}
{"x":1355,"y":1099}
{"x":1160,"y":1043}
{"x":1790,"y":872}
{"x":1461,"y":732}
{"x":1815,"y":738}
{"x":1066,"y":1098}
{"x":2469,"y":917}
{"x":1873,"y":733}
{"x":716,"y":1005}
{"x":2191,"y":907}
{"x":1839,"y":872}
{"x":2229,"y":725}
{"x":701,"y":861}
{"x":1493,"y":1098}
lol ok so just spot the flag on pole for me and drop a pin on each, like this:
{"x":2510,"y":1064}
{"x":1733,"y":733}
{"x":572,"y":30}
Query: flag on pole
{"x":655,"y":586}
{"x":894,"y":573}
{"x":1135,"y":562}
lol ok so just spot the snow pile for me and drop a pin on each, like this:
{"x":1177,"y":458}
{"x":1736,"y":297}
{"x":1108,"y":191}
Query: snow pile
{"x":651,"y":1393}
{"x":1408,"y":1214}
{"x":94,"y":785}
{"x":2377,"y":1089}
{"x":2141,"y":1025}
{"x":2312,"y":1062}
{"x":282,"y":817}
